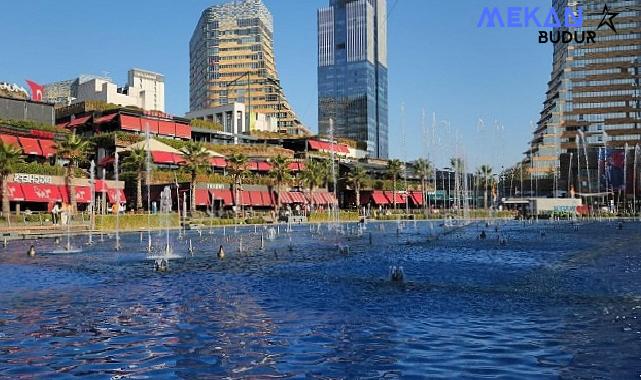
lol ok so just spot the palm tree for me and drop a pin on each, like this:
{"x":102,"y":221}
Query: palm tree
{"x":393,"y":171}
{"x":314,"y":175}
{"x":484,"y":174}
{"x":74,"y":149}
{"x":136,"y":162}
{"x":237,"y":168}
{"x":424,"y":171}
{"x":357,"y":177}
{"x":196,"y":158}
{"x":280,"y":173}
{"x":10,"y":156}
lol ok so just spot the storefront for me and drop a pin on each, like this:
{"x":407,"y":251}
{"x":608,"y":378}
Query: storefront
{"x":39,"y":193}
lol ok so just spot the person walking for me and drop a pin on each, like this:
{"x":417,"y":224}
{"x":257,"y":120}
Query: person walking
{"x":55,"y":213}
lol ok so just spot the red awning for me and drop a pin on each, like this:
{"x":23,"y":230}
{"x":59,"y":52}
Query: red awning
{"x":41,"y":193}
{"x":379,"y":198}
{"x":245,"y":198}
{"x":289,"y":197}
{"x":315,"y":145}
{"x":285,"y":198}
{"x":222,"y":195}
{"x":183,"y":131}
{"x":416,"y":198}
{"x":83,"y":194}
{"x":15,"y":192}
{"x":129,"y":123}
{"x":163,"y":157}
{"x":400,"y":198}
{"x":78,"y":121}
{"x":111,"y":193}
{"x":298,"y":197}
{"x":30,"y":146}
{"x":259,"y":166}
{"x":178,"y":159}
{"x":202,"y":197}
{"x":48,"y":148}
{"x":296,"y":166}
{"x":218,"y":162}
{"x":100,"y":186}
{"x":167,"y":128}
{"x":11,"y":140}
{"x":105,"y":119}
{"x":256,"y":198}
{"x":327,"y":146}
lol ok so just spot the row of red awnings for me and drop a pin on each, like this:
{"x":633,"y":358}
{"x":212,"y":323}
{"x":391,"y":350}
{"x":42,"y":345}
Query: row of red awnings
{"x":387,"y":197}
{"x":261,"y":198}
{"x":328,"y":147}
{"x":134,"y":123}
{"x":31,"y":146}
{"x":45,"y":193}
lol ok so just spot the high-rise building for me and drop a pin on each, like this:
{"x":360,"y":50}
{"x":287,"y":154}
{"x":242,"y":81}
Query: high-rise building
{"x":352,"y":72}
{"x":593,"y":97}
{"x":231,"y":56}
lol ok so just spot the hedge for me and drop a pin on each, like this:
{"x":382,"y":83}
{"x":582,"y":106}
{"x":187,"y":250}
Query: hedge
{"x":129,"y":222}
{"x":344,"y":216}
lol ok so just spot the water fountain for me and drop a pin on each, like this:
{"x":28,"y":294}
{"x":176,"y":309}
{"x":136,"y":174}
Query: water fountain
{"x":92,"y":205}
{"x":396,"y":273}
{"x":117,"y":246}
{"x":634,"y":178}
{"x":148,"y":184}
{"x":167,"y":252}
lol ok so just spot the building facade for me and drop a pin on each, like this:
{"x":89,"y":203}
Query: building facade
{"x":352,"y":72}
{"x":232,"y":60}
{"x":144,"y":90}
{"x":65,"y":92}
{"x":593,"y":97}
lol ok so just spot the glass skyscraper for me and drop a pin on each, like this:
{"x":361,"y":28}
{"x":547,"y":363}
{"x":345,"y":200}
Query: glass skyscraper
{"x":593,"y":96}
{"x":352,"y":72}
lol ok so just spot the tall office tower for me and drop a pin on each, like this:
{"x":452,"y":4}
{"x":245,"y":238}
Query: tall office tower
{"x":232,"y":59}
{"x":352,"y":72}
{"x":594,"y":92}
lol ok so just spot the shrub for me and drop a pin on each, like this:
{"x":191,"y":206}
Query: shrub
{"x":129,"y":222}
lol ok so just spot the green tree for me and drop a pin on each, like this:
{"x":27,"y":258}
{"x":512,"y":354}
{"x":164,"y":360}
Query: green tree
{"x":10,"y":157}
{"x":357,"y":177}
{"x":280,"y":174}
{"x":394,"y":168}
{"x":484,"y":174}
{"x":75,"y":150}
{"x":196,"y":158}
{"x":136,"y":162}
{"x":237,"y":168}
{"x":314,"y":175}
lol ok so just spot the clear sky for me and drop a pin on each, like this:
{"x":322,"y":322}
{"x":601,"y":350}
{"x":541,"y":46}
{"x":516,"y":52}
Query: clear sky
{"x":439,"y":62}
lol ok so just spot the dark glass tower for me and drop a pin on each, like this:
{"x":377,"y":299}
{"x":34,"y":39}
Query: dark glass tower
{"x":352,"y":72}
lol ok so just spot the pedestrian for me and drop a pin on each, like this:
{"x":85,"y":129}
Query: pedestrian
{"x":55,"y":211}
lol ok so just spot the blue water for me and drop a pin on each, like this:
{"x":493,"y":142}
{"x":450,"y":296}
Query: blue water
{"x":555,"y":301}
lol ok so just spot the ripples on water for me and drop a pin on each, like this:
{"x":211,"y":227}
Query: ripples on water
{"x":561,"y":305}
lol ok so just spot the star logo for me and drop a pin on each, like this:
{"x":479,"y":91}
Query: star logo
{"x":608,"y":19}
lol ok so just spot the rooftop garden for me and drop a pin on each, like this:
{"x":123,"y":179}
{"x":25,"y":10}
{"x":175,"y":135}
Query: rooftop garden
{"x":206,"y":124}
{"x":28,"y":125}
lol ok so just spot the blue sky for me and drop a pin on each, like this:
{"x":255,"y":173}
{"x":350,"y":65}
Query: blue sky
{"x":439,"y":62}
